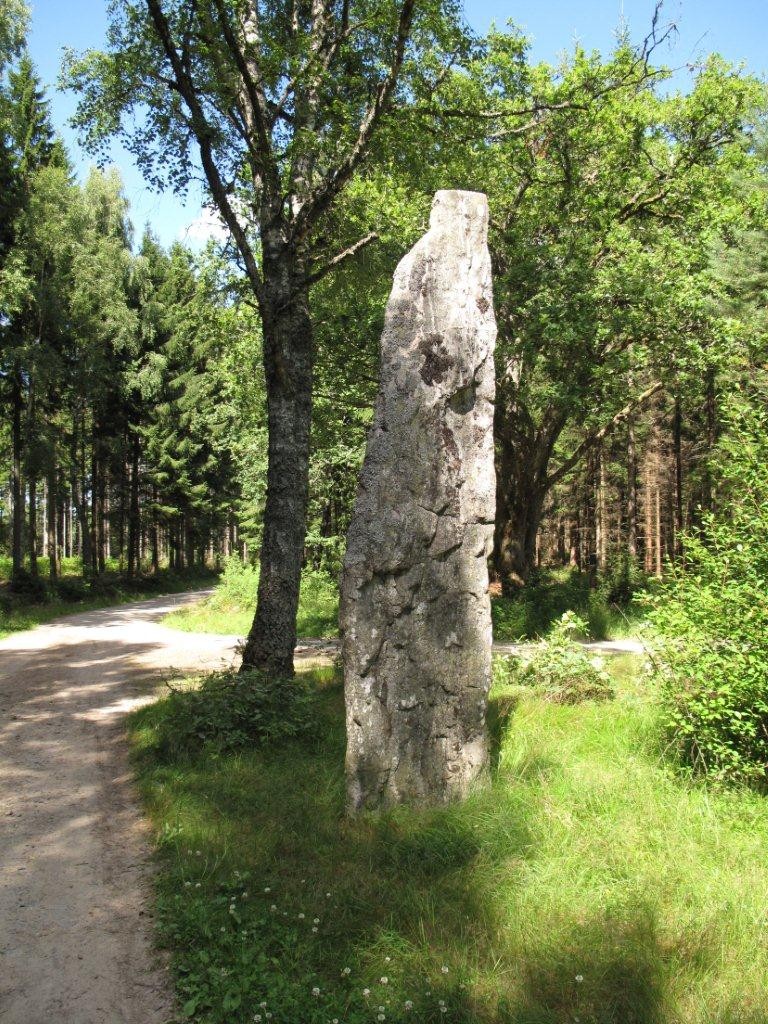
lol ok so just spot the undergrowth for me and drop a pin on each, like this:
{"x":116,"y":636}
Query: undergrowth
{"x":230,"y":608}
{"x":37,"y":600}
{"x":558,"y":667}
{"x":609,"y":606}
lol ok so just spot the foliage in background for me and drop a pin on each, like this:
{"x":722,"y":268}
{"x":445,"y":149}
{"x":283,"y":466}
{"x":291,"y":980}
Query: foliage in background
{"x":559,"y":668}
{"x":713,"y":615}
{"x":607,"y":605}
{"x":230,"y":608}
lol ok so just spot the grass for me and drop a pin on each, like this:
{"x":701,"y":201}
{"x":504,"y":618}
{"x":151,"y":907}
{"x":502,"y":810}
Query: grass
{"x":18,"y":613}
{"x":529,"y":615}
{"x":609,"y":611}
{"x":230,"y":609}
{"x":587,"y":884}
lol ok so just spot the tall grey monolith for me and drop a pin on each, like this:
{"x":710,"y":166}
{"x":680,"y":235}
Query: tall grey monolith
{"x":415,"y":611}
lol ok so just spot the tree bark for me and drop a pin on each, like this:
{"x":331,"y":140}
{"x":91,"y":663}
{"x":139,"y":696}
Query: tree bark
{"x":52,"y":523}
{"x":155,"y":533}
{"x":134,"y":520}
{"x":79,"y":501}
{"x":518,"y":518}
{"x":17,"y":533}
{"x":32,"y":526}
{"x":678,"y":443}
{"x":288,"y":366}
{"x":658,"y":532}
{"x":631,"y":492}
{"x":601,"y":514}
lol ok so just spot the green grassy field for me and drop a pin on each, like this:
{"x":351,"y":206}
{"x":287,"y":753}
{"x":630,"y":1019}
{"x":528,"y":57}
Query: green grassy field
{"x":587,"y":884}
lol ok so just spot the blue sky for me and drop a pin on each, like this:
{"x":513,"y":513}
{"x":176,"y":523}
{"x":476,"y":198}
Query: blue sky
{"x":736,"y":28}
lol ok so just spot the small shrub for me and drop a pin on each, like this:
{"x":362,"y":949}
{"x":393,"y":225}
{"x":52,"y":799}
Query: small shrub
{"x":622,"y":580}
{"x":598,"y":615}
{"x":237,"y":586}
{"x":712,"y":616}
{"x":536,"y":608}
{"x":230,"y":711}
{"x":71,"y":588}
{"x":31,"y":589}
{"x":559,"y":668}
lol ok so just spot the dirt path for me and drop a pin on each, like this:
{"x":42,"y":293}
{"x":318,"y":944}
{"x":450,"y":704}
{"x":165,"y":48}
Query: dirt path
{"x":75,"y":930}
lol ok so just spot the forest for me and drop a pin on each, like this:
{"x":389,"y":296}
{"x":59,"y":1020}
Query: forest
{"x":184,"y":416}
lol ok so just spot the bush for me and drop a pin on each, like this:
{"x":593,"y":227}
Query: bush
{"x":237,"y":586}
{"x":230,"y":711}
{"x":622,"y":580}
{"x":539,"y":605}
{"x":71,"y":588}
{"x":559,"y":668}
{"x":712,"y":615}
{"x":31,"y":589}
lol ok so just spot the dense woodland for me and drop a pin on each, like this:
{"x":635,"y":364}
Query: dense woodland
{"x":158,"y":402}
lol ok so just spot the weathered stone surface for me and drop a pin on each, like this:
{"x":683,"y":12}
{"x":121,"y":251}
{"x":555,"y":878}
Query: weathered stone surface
{"x":415,"y":612}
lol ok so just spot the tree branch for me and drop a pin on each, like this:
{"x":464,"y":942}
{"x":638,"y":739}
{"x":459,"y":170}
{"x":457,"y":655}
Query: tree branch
{"x":322,"y":196}
{"x":599,"y":434}
{"x":318,"y":275}
{"x":204,"y":134}
{"x":256,"y":103}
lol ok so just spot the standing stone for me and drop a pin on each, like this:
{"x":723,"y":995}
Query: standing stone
{"x":415,"y":611}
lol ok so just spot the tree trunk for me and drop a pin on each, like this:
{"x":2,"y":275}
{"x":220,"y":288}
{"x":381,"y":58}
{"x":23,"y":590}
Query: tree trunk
{"x":631,"y":492}
{"x":17,"y":533}
{"x":518,"y":517}
{"x":658,"y":532}
{"x":32,"y":527}
{"x":678,"y":444}
{"x":134,"y":519}
{"x":601,"y":514}
{"x":155,"y":533}
{"x":288,"y":364}
{"x":711,"y":417}
{"x":79,"y":502}
{"x":52,"y":524}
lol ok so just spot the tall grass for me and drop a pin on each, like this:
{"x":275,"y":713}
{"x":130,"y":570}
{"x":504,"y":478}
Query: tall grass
{"x":609,"y":605}
{"x":230,"y":608}
{"x":585,"y":885}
